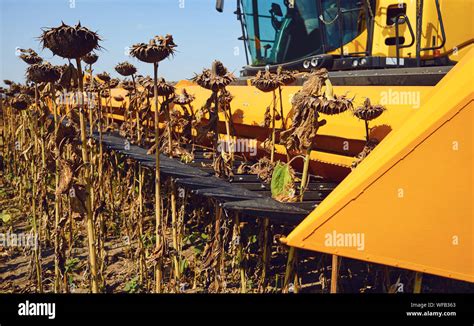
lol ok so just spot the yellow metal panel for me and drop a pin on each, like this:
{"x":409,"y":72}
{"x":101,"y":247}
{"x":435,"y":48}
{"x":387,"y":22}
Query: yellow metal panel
{"x":249,"y":105}
{"x":453,"y":12}
{"x":411,"y":198}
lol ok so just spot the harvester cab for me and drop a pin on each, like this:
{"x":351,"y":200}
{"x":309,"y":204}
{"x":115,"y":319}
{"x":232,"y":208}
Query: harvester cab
{"x":347,"y":35}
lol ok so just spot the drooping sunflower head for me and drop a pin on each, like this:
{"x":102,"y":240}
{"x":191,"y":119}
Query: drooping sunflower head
{"x":21,"y":102}
{"x":266,"y":82}
{"x":127,"y":85}
{"x":114,"y":82}
{"x":125,"y":69}
{"x":119,"y":98}
{"x":90,"y":58}
{"x":164,"y":88}
{"x":285,"y":77}
{"x":335,"y":105}
{"x":43,"y":73}
{"x":28,"y":90}
{"x":157,"y":49}
{"x":30,"y":56}
{"x":70,"y":41}
{"x":104,"y":76}
{"x":105,"y":93}
{"x":368,"y":111}
{"x":216,"y":78}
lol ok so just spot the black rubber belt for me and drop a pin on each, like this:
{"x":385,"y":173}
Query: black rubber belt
{"x":230,"y":195}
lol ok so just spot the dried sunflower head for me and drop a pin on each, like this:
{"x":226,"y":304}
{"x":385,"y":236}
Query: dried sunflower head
{"x":43,"y":73}
{"x":335,"y":105}
{"x":326,"y":103}
{"x":70,"y":41}
{"x":147,"y":83}
{"x":21,"y":102}
{"x":157,"y":49}
{"x":105,"y":93}
{"x":285,"y":77}
{"x":127,"y":85}
{"x":30,"y":56}
{"x":125,"y":69}
{"x":114,"y":82}
{"x":164,"y":88}
{"x":119,"y":98}
{"x":104,"y":76}
{"x":368,"y":111}
{"x":90,"y":58}
{"x":266,"y":82}
{"x":215,"y":78}
{"x":183,"y":98}
{"x":28,"y":90}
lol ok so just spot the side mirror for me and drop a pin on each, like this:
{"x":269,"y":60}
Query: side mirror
{"x":220,"y":5}
{"x":276,"y":10}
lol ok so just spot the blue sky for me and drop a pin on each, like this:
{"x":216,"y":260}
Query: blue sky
{"x":201,"y":33}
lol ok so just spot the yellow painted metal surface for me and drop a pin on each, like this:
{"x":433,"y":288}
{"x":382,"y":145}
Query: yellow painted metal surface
{"x":249,"y":105}
{"x":453,"y":11}
{"x":411,"y":198}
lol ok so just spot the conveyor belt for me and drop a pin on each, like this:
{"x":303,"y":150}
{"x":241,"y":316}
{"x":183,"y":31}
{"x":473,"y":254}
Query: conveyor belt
{"x":245,"y":193}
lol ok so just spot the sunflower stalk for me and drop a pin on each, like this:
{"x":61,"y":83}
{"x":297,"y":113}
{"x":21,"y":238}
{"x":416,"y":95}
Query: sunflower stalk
{"x":37,"y":249}
{"x":87,"y":177}
{"x":290,"y":271}
{"x":266,"y":254}
{"x":174,"y":226}
{"x":57,"y":198}
{"x":143,"y":268}
{"x":272,"y":153}
{"x":305,"y":177}
{"x":239,"y":253}
{"x":158,"y":219}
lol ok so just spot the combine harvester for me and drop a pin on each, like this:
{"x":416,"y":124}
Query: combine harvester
{"x":411,"y":198}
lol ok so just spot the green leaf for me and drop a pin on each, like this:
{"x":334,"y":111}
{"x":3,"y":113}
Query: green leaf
{"x":71,"y":264}
{"x":197,"y":250}
{"x":132,"y":285}
{"x":5,"y":217}
{"x":252,"y":239}
{"x":281,"y":180}
{"x":183,"y":265}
